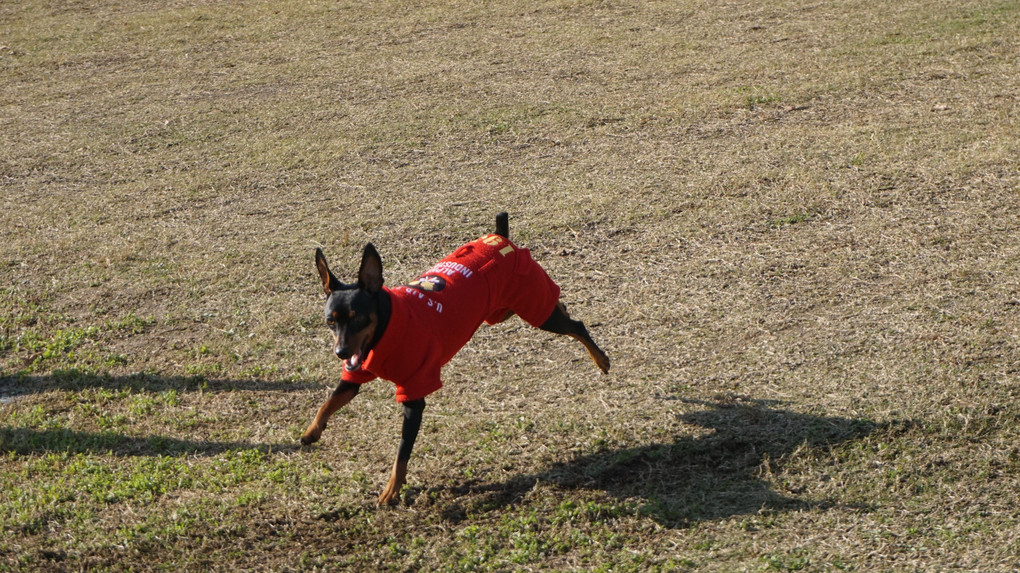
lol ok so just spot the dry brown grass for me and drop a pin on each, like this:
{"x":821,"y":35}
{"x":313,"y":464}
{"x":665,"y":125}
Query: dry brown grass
{"x":793,"y":226}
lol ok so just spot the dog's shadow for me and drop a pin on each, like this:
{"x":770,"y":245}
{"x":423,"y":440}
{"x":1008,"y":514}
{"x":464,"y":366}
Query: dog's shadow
{"x":721,"y":473}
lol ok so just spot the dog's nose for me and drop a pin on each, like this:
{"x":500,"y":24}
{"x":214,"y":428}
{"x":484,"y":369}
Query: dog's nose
{"x":342,"y":352}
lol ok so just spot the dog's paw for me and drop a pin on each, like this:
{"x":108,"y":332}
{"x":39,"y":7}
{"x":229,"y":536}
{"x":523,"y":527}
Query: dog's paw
{"x":388,"y":498}
{"x":601,"y":360}
{"x":311,"y":435}
{"x":391,"y":495}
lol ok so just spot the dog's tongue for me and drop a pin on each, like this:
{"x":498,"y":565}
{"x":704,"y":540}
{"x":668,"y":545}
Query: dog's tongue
{"x":354,"y":362}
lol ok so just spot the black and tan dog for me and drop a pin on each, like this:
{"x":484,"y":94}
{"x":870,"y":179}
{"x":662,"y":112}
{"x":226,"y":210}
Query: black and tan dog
{"x":405,"y":335}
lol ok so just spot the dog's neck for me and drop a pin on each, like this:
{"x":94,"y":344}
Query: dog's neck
{"x":383,"y":309}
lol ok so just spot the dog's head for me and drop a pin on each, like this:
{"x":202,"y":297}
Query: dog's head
{"x":352,"y":309}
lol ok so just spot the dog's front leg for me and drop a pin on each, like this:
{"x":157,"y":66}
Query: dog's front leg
{"x":343,"y":394}
{"x":391,"y":495}
{"x":408,"y":434}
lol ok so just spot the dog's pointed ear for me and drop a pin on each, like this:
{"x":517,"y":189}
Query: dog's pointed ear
{"x":370,"y":275}
{"x":329,"y":282}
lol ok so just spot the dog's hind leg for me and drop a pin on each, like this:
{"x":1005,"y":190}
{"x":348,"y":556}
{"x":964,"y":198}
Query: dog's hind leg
{"x":561,"y":323}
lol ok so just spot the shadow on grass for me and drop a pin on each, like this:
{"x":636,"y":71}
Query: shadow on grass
{"x":26,"y":441}
{"x":20,"y":440}
{"x":75,"y":380}
{"x":713,"y":476}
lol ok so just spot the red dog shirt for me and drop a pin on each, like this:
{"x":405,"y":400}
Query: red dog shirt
{"x":435,"y":315}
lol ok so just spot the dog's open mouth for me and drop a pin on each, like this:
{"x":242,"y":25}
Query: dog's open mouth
{"x":353,"y":364}
{"x":356,"y":360}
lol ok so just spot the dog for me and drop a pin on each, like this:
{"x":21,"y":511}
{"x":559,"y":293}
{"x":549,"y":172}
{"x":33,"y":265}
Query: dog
{"x":406,"y":334}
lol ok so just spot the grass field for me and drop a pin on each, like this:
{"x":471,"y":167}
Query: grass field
{"x":794,"y":226}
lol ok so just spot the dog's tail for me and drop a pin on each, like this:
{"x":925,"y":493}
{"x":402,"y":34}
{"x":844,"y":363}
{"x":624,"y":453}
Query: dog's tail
{"x":503,"y":225}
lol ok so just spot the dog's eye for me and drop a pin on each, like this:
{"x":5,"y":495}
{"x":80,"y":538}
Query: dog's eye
{"x":330,"y":322}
